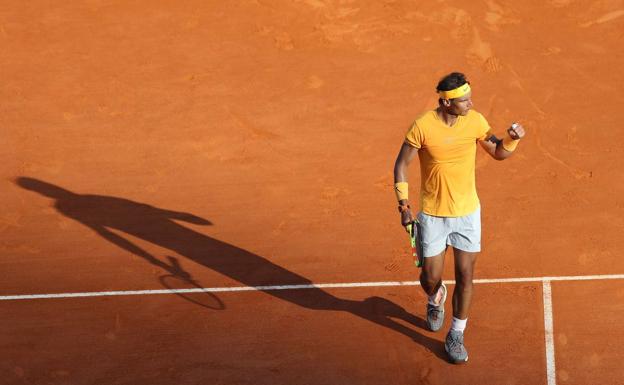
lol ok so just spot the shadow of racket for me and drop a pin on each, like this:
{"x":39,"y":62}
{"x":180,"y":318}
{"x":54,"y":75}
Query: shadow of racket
{"x":183,"y":285}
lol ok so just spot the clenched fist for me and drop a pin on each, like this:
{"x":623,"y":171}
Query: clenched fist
{"x":516,"y":131}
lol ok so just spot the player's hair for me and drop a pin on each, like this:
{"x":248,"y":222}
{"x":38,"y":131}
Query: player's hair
{"x":450,"y":82}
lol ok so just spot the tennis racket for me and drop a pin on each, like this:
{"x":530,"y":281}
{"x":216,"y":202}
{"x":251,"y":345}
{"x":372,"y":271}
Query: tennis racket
{"x":413,"y":229}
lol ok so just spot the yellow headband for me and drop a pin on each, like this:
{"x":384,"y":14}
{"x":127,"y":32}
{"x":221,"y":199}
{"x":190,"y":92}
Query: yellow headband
{"x":456,"y":93}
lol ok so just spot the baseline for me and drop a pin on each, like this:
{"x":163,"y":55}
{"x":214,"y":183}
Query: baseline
{"x":297,"y":287}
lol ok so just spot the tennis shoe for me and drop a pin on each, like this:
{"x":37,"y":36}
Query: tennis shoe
{"x":435,"y":313}
{"x":455,"y":348}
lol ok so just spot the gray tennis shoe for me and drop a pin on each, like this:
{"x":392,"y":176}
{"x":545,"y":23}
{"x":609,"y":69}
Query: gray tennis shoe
{"x":455,"y":348}
{"x":435,"y":314}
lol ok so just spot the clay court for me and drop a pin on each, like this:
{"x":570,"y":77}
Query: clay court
{"x":201,"y":192}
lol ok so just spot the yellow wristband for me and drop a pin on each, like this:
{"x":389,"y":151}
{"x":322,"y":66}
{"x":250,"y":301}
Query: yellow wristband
{"x":510,"y":144}
{"x":401,"y":189}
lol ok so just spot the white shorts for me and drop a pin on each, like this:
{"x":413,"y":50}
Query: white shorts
{"x":463,"y":233}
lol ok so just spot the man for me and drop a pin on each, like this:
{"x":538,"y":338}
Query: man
{"x":445,"y":140}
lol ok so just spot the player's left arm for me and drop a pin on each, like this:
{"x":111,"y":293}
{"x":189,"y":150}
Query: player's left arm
{"x":501,"y":149}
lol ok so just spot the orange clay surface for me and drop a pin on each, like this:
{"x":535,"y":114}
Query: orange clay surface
{"x":248,"y":143}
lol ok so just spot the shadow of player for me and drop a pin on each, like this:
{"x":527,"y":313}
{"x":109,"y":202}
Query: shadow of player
{"x":161,"y":227}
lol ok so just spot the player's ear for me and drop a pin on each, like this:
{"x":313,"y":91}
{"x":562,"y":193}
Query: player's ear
{"x":446,"y":102}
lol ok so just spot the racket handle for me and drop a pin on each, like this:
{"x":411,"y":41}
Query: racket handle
{"x":415,"y":244}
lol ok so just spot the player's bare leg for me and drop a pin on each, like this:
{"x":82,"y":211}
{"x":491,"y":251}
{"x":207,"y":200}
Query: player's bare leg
{"x":431,"y":273}
{"x":464,"y":268}
{"x":462,"y":295}
{"x":431,"y":282}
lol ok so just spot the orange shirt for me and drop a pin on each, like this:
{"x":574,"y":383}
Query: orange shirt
{"x":447,"y":162}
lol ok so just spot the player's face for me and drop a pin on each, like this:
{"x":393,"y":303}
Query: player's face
{"x":461,"y":106}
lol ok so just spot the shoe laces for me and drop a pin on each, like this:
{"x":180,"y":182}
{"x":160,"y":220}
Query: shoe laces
{"x":433,"y":311}
{"x":456,"y":341}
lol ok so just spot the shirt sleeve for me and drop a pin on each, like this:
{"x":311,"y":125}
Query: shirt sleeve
{"x":484,"y":130}
{"x":414,"y":136}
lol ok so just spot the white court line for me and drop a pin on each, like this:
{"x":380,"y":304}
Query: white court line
{"x":548,"y":332}
{"x":294,"y":287}
{"x":548,"y":315}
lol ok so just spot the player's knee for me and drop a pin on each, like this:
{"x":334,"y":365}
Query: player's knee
{"x":463,"y":277}
{"x":429,"y":281}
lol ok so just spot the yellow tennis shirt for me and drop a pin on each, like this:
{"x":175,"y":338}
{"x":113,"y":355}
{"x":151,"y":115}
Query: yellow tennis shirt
{"x":447,"y":162}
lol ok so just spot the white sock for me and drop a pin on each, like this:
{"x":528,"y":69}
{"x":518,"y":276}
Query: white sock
{"x":432,"y":298}
{"x":459,"y":324}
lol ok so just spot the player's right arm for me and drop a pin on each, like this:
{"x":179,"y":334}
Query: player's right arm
{"x":406,"y":154}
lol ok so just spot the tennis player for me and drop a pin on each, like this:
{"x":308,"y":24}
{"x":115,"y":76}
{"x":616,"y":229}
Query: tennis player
{"x":445,"y":140}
